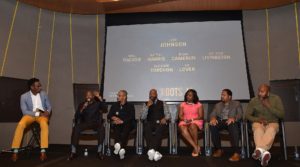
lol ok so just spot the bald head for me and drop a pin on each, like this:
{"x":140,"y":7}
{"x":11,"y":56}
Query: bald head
{"x":153,"y":94}
{"x":263,"y":91}
{"x":89,"y":95}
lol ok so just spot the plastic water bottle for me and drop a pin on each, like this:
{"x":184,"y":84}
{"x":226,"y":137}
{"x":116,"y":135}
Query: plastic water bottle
{"x":208,"y":151}
{"x":140,"y":150}
{"x":243,"y":153}
{"x":108,"y":152}
{"x":86,"y":152}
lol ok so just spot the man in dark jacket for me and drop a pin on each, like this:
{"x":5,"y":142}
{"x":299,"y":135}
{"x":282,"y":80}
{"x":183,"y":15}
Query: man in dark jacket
{"x":122,"y":116}
{"x":89,"y":116}
{"x":226,"y":115}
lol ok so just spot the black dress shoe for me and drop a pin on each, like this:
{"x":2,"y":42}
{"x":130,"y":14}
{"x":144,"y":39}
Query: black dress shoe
{"x":100,"y":155}
{"x":72,"y":156}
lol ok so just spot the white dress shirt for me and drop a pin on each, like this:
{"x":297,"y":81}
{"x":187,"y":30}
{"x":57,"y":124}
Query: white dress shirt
{"x":37,"y":103}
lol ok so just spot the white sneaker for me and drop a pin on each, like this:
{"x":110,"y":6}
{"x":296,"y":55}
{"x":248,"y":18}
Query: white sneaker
{"x":117,"y":147}
{"x":257,"y":154}
{"x":157,"y":156}
{"x":122,"y":153}
{"x":150,"y":154}
{"x":265,"y":158}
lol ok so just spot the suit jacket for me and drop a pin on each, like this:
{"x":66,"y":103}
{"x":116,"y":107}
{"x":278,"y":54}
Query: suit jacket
{"x":93,"y":113}
{"x":235,"y":110}
{"x":27,"y":105}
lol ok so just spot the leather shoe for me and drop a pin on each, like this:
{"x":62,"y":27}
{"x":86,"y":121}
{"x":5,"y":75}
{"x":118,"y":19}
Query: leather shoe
{"x":100,"y":155}
{"x":235,"y":157}
{"x":43,"y":156}
{"x":218,"y":153}
{"x":72,"y":156}
{"x":14,"y":157}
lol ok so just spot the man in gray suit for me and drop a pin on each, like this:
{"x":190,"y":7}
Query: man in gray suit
{"x":226,"y":115}
{"x":35,"y":107}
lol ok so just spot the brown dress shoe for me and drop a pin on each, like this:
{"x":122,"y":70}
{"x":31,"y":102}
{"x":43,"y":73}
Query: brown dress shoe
{"x":14,"y":157}
{"x":43,"y":156}
{"x":218,"y":153}
{"x":235,"y":157}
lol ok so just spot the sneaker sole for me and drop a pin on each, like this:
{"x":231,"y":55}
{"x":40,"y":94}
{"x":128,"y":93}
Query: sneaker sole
{"x":265,"y":160}
{"x":257,"y":155}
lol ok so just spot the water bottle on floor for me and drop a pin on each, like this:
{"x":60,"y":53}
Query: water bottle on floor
{"x":86,"y":152}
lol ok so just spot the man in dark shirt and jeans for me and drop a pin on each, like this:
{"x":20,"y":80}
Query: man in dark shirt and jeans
{"x":226,"y":115}
{"x":89,"y":116}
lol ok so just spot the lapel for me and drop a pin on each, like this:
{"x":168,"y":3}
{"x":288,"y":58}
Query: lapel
{"x":29,"y":100}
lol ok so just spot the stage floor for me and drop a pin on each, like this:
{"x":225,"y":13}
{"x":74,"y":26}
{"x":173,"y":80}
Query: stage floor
{"x":57,"y":157}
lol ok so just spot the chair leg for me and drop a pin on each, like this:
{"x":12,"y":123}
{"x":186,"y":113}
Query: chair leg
{"x":108,"y":151}
{"x":175,"y":142}
{"x":242,"y":141}
{"x":284,"y":140}
{"x":170,"y":138}
{"x":247,"y":139}
{"x":208,"y":148}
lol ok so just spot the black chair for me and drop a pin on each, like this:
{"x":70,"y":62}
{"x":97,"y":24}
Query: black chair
{"x":201,"y":134}
{"x":166,"y":134}
{"x":90,"y":133}
{"x":134,"y":133}
{"x":280,"y":135}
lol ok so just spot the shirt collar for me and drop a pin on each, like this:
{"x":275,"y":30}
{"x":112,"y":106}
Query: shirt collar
{"x":33,"y":94}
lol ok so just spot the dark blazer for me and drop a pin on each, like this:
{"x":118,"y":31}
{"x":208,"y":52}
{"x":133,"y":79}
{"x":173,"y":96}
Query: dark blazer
{"x":93,"y":113}
{"x":125,"y":113}
{"x":235,"y":110}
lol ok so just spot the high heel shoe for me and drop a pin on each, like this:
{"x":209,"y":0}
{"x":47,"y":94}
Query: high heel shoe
{"x":197,"y":152}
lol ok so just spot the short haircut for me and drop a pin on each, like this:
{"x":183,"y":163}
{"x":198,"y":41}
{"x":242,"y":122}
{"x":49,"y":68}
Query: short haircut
{"x":31,"y":82}
{"x":228,"y":91}
{"x":123,"y":91}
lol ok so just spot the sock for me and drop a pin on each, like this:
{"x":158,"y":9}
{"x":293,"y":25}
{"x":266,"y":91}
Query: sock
{"x":73,"y":149}
{"x":99,"y":148}
{"x":15,"y":150}
{"x":43,"y":150}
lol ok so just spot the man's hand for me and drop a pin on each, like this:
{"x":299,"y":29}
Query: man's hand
{"x":116,"y":120}
{"x":149,"y":103}
{"x":230,"y":121}
{"x":266,"y":103}
{"x":97,"y":95}
{"x":163,"y":121}
{"x":263,"y":121}
{"x":213,"y":122}
{"x":44,"y":114}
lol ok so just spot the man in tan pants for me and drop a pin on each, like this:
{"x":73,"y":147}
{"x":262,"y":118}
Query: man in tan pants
{"x":264,"y":111}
